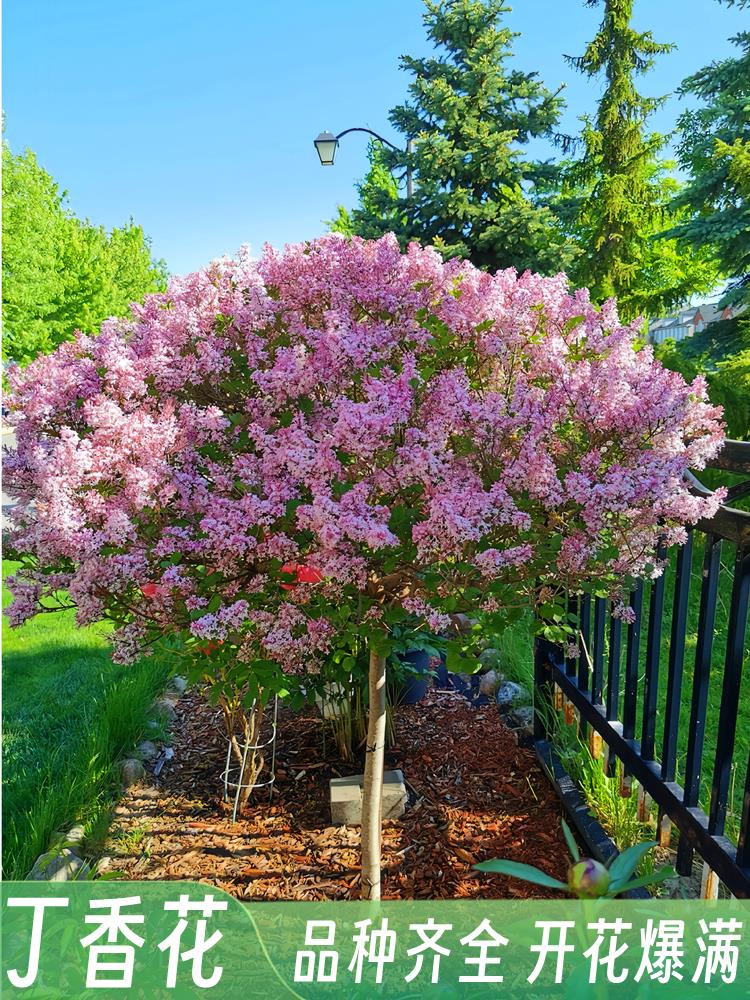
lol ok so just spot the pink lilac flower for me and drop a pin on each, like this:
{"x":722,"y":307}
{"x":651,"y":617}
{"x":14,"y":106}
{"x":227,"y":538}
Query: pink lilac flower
{"x":302,"y":409}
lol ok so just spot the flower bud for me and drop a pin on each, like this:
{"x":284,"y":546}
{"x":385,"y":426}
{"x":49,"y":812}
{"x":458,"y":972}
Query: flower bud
{"x":588,"y":879}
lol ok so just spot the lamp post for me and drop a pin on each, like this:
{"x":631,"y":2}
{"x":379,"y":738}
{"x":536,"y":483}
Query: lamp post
{"x":327,"y":144}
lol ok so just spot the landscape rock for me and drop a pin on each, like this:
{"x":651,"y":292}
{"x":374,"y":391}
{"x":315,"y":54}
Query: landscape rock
{"x":522,"y":718}
{"x":74,"y":837}
{"x":489,"y":684}
{"x":148,"y":750}
{"x":509,"y":694}
{"x":62,"y":866}
{"x":462,"y":623}
{"x":490,"y":659}
{"x":165,"y":708}
{"x":178,"y":684}
{"x":132,"y":770}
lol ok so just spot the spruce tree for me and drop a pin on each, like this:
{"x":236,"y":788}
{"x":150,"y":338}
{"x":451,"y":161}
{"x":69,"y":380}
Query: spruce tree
{"x":714,"y":150}
{"x":470,"y":115}
{"x":621,"y":187}
{"x":378,"y":201}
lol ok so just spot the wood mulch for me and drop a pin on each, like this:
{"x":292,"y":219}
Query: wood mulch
{"x":475,"y":795}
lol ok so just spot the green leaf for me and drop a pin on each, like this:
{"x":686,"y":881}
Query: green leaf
{"x":645,"y":880}
{"x":526,"y":873}
{"x":454,"y":656}
{"x":571,"y":842}
{"x":572,"y":323}
{"x":626,"y":863}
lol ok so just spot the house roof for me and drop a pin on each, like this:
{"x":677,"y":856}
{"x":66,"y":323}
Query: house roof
{"x":710,"y":312}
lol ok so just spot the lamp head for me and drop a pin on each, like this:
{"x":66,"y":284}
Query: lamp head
{"x":326,"y":145}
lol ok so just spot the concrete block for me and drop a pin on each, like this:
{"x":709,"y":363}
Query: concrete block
{"x":346,"y":798}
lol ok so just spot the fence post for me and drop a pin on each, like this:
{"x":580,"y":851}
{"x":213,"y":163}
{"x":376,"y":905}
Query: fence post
{"x":542,"y":690}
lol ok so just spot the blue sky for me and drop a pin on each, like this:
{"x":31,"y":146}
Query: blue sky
{"x":197,"y":120}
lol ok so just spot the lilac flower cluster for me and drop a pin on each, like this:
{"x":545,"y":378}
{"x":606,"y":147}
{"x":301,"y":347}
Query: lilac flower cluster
{"x":405,"y":425}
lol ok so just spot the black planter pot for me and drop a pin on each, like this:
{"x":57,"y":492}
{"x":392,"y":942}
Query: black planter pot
{"x":415,"y":685}
{"x":441,"y":674}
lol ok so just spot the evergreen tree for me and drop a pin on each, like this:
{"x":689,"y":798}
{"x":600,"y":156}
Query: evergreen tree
{"x":620,"y":187}
{"x":714,"y":150}
{"x":470,"y":116}
{"x":61,"y":274}
{"x":378,"y":201}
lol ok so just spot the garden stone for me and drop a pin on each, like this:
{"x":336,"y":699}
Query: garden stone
{"x":346,"y":798}
{"x":166,"y":709}
{"x":462,"y":623}
{"x":148,"y":750}
{"x":490,"y":659}
{"x":74,"y":838}
{"x":132,"y":770}
{"x":509,"y":694}
{"x":489,"y":683}
{"x":63,"y":866}
{"x":522,"y":718}
{"x":178,"y":684}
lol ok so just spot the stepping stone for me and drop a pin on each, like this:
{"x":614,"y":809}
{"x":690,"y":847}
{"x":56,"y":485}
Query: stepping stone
{"x":346,"y":798}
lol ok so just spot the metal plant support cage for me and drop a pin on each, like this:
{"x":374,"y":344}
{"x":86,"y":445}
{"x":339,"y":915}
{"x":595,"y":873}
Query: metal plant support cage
{"x":238,"y":769}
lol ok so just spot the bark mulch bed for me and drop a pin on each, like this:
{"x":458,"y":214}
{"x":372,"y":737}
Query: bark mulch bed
{"x":475,"y":795}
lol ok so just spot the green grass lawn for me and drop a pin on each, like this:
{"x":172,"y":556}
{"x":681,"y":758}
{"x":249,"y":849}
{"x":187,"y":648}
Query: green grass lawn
{"x":68,"y":713}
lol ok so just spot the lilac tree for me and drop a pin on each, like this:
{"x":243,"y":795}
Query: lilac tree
{"x":277,"y":456}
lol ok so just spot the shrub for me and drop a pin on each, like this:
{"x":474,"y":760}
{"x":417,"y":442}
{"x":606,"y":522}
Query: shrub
{"x":336,"y":436}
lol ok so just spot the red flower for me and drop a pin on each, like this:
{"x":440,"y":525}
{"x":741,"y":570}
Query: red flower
{"x":210,"y":646}
{"x":150,"y":590}
{"x":308,"y":574}
{"x":302,"y":574}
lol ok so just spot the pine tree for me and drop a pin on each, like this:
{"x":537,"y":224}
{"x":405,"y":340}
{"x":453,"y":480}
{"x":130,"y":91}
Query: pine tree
{"x":621,"y":188}
{"x":470,"y":116}
{"x":378,"y":201}
{"x":714,"y":150}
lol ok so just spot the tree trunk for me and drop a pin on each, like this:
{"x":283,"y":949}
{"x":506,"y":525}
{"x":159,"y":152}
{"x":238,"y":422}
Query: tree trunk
{"x":372,"y":792}
{"x":249,"y":726}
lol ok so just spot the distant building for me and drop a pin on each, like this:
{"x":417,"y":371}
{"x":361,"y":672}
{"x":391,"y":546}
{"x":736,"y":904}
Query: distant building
{"x":686,"y":322}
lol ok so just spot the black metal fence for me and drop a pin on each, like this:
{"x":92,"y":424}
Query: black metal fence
{"x":650,"y":697}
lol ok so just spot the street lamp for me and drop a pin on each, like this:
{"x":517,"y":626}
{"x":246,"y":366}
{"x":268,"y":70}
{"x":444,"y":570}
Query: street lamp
{"x":327,"y":143}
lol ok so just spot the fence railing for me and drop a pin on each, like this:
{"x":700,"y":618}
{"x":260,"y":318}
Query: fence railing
{"x":669,"y":712}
